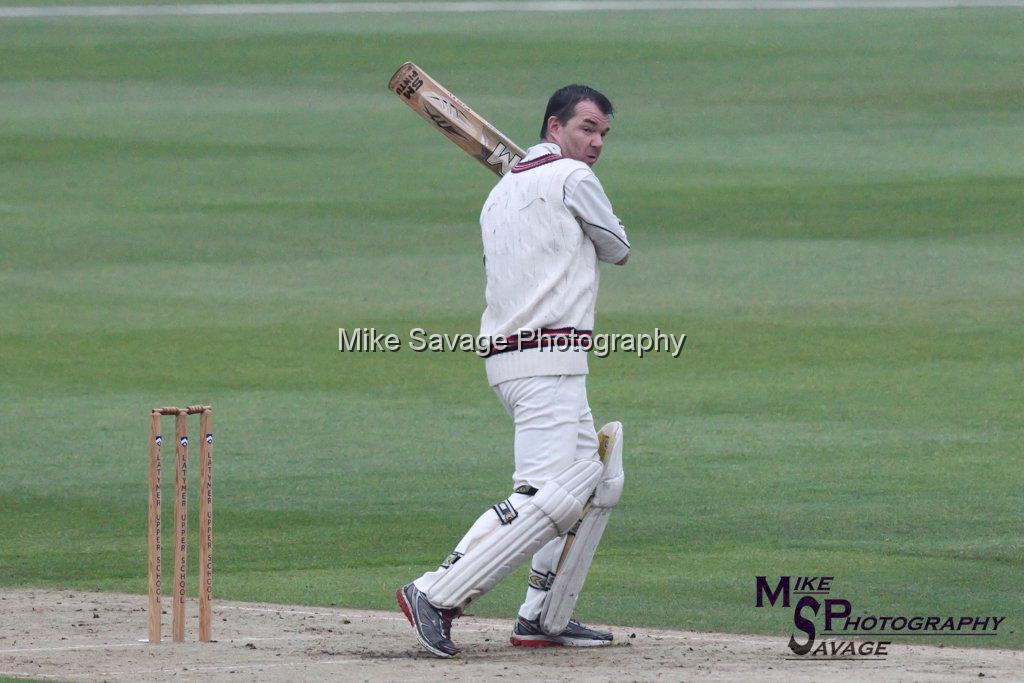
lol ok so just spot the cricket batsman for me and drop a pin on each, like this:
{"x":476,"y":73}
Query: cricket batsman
{"x":545,"y":225}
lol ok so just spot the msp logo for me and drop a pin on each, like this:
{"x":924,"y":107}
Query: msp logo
{"x":829,"y":629}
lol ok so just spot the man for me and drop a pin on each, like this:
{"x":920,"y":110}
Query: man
{"x":545,"y":225}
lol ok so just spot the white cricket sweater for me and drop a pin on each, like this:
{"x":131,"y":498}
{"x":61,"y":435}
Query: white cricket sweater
{"x":544,"y":226}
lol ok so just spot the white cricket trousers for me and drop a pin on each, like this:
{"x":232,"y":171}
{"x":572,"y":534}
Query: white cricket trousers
{"x":553,"y":428}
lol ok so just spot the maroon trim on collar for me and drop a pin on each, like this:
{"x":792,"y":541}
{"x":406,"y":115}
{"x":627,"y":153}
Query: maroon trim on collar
{"x":534,"y":163}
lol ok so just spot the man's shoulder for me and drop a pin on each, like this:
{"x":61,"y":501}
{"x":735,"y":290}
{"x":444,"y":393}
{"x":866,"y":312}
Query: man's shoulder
{"x":574,"y":165}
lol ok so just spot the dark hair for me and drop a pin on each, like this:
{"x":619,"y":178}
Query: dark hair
{"x":563,"y":104}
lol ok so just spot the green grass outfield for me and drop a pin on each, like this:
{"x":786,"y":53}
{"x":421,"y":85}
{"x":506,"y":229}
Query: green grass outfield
{"x":830,"y":204}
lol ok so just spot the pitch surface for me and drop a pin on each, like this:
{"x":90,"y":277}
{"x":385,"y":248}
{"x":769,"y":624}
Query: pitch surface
{"x":827,"y":203}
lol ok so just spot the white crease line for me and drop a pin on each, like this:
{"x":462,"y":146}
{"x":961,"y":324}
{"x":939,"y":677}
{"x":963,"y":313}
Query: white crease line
{"x":381,"y":617}
{"x":367,"y":617}
{"x":185,"y":669}
{"x":145,"y":643}
{"x":350,"y":617}
{"x":266,"y":609}
{"x":332,"y":615}
{"x":700,"y":639}
{"x":68,"y":648}
{"x":477,"y":7}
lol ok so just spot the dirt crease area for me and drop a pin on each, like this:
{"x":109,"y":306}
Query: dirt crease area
{"x":86,"y":636}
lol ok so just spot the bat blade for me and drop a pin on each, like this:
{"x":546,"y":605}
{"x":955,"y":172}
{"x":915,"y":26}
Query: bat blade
{"x":456,"y":121}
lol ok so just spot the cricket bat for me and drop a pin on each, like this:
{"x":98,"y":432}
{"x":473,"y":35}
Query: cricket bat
{"x":455,"y":120}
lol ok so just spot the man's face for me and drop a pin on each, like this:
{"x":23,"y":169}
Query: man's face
{"x":581,"y":137}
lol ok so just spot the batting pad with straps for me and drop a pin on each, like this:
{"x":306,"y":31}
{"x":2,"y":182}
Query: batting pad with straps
{"x":549,"y":513}
{"x":581,"y":544}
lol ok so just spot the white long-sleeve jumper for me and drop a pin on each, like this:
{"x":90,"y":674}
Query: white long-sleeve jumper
{"x":544,"y":226}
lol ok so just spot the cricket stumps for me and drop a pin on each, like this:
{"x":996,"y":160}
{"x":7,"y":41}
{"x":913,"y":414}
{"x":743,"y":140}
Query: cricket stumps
{"x":180,"y":591}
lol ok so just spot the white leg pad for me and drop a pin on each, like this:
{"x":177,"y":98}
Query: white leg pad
{"x":551,"y":512}
{"x":580,"y":546}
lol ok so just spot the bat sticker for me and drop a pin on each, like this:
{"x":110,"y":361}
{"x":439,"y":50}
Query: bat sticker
{"x":442,"y":122}
{"x":409,"y":85}
{"x":504,"y":157}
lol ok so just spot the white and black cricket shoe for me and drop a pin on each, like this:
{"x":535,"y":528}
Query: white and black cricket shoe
{"x":527,"y":633}
{"x":432,"y":625}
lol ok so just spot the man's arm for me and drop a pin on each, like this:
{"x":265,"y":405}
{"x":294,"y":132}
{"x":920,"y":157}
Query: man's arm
{"x":586,"y":199}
